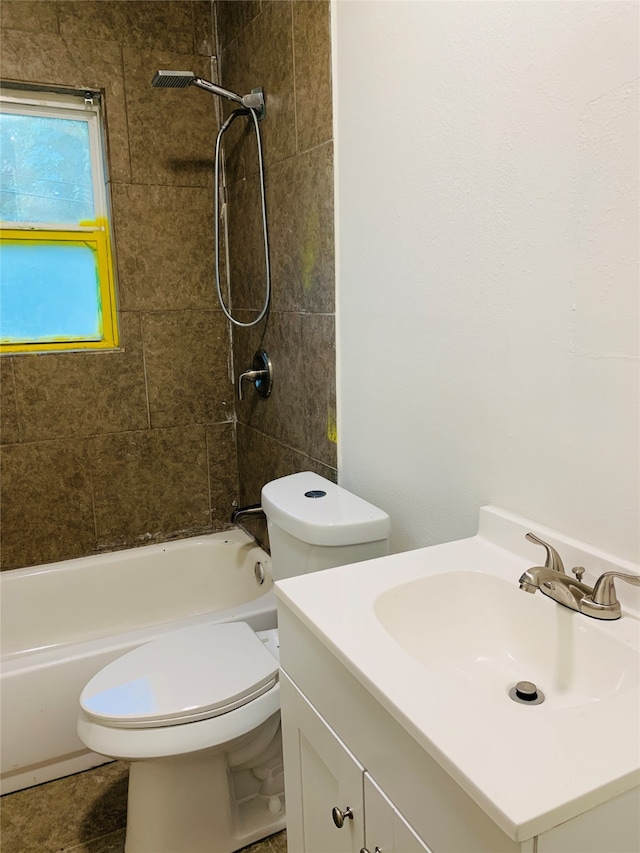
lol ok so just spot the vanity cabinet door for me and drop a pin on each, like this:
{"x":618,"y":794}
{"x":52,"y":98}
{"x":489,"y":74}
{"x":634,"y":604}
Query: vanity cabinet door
{"x":385,"y":828}
{"x":321,"y":775}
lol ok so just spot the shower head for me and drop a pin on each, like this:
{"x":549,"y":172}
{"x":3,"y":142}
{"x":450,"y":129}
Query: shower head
{"x":172,"y":79}
{"x":182,"y":79}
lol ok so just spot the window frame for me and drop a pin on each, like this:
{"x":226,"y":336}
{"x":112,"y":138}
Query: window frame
{"x":83,"y":105}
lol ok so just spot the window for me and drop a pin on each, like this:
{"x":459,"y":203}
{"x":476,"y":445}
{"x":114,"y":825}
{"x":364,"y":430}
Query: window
{"x":56,"y":273}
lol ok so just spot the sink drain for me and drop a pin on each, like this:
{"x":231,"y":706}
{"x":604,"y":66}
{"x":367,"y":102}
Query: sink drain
{"x":526,"y":693}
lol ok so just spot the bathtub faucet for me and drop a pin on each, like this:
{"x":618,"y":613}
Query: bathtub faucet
{"x":253,"y":509}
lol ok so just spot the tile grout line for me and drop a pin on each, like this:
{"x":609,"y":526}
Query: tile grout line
{"x":84,"y":846}
{"x":295,"y":91}
{"x":144,"y":367}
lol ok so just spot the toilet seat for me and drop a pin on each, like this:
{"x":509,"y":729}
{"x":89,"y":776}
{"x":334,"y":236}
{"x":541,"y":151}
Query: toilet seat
{"x":190,"y":675}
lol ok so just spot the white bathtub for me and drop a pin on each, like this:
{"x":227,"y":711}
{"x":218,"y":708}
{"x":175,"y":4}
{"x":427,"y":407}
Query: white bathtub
{"x":63,"y":622}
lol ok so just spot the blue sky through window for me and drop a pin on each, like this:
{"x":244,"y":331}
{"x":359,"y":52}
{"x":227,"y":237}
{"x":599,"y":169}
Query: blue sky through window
{"x":45,"y":167}
{"x":49,"y":291}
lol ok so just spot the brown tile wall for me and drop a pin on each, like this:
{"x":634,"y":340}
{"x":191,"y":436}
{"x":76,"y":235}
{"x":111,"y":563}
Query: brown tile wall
{"x":103,"y":450}
{"x":284,"y":46}
{"x":110,"y":450}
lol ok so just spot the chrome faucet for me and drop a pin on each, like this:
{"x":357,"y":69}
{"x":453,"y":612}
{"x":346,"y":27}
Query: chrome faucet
{"x":242,"y":511}
{"x":599,"y":602}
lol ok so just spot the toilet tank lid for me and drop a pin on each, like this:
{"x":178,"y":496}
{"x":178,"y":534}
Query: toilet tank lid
{"x":319,"y":512}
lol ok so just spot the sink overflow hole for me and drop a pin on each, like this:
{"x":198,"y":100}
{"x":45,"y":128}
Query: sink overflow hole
{"x":526,"y":693}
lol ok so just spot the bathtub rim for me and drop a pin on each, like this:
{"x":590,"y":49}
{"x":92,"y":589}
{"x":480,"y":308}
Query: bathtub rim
{"x":235,"y":535}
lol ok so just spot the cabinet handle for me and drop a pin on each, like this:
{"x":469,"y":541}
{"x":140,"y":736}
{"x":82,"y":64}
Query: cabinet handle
{"x":339,"y":816}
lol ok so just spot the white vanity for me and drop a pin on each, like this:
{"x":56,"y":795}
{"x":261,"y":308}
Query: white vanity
{"x":397,"y":720}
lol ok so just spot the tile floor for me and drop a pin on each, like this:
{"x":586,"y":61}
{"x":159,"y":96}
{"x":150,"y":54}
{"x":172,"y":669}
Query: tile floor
{"x":85,"y":813}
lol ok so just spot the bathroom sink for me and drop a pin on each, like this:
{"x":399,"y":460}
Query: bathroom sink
{"x":481,"y":631}
{"x":440,"y":635}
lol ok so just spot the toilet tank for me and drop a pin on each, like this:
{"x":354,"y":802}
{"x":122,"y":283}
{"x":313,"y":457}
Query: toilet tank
{"x":315,"y":524}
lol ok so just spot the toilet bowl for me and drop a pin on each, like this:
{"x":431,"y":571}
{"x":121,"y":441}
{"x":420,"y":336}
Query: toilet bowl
{"x":196,"y":713}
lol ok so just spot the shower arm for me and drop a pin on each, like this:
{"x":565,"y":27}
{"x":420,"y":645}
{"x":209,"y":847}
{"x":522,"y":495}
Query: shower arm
{"x":252,"y":101}
{"x":168,"y":79}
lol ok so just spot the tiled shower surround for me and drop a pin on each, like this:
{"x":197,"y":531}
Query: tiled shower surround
{"x":111,"y":450}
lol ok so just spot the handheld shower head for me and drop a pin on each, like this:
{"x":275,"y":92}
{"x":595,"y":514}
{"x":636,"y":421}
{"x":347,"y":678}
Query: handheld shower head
{"x":172,"y":79}
{"x":182,"y":79}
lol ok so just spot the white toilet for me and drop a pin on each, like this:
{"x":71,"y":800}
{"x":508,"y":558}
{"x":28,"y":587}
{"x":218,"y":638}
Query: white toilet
{"x":197,"y":712}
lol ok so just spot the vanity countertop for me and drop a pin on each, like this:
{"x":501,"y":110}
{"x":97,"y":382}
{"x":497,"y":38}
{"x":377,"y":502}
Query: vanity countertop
{"x":529,"y":768}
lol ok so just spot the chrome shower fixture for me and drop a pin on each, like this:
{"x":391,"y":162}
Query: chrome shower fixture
{"x":181,"y":79}
{"x":253,"y":107}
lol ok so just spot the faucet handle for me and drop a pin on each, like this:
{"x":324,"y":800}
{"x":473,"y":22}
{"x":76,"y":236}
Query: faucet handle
{"x":249,"y":376}
{"x":603,"y":602}
{"x":260,"y":373}
{"x":604,"y":591}
{"x":553,"y":560}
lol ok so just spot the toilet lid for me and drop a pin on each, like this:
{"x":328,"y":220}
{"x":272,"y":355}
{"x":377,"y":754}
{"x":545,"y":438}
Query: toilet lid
{"x":189,"y":675}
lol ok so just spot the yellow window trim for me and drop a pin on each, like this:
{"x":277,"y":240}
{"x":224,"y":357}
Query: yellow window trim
{"x":98,"y":239}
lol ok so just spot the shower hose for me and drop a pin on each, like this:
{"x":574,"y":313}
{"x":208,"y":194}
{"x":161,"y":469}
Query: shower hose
{"x":234,"y":115}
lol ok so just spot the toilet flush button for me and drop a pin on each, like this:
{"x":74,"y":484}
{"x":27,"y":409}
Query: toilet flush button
{"x":315,"y":493}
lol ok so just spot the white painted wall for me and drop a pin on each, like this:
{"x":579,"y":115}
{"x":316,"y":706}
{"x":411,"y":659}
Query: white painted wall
{"x":487,"y":259}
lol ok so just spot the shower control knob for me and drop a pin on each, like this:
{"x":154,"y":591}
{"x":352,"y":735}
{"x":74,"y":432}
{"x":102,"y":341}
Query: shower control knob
{"x":261,"y":374}
{"x":340,"y":816}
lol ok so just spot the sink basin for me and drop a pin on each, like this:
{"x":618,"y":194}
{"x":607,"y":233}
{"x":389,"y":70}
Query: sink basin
{"x":481,"y":631}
